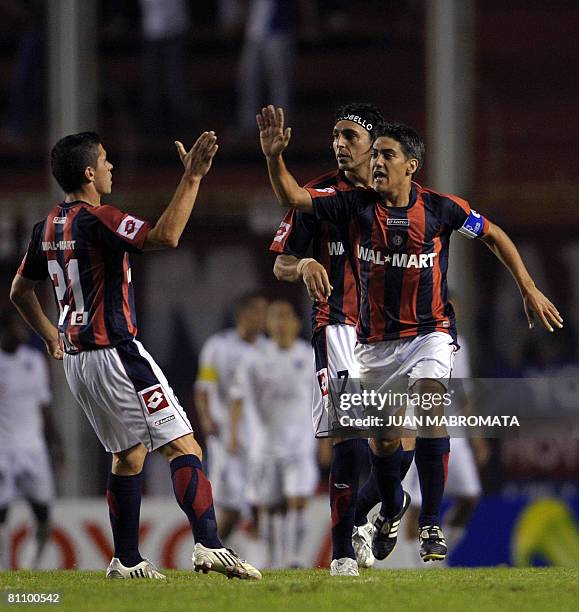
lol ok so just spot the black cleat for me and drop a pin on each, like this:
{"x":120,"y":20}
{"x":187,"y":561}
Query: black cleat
{"x":386,"y":531}
{"x":432,"y":543}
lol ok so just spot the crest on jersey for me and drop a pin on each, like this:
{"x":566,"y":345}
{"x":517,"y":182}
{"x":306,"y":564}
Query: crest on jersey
{"x":129,"y":227}
{"x":282,"y":231}
{"x":397,"y":239}
{"x":153,"y":399}
{"x":322,"y":376}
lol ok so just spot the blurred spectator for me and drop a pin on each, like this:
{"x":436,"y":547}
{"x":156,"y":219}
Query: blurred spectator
{"x":267,"y":55}
{"x":166,"y":91}
{"x":26,"y":88}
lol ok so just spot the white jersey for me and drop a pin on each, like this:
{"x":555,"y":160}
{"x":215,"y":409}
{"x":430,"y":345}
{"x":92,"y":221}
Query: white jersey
{"x":24,"y":389}
{"x":276,"y":386}
{"x":218,"y":362}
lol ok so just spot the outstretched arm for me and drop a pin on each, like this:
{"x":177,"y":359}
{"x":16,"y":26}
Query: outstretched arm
{"x":291,"y":269}
{"x":274,"y":138}
{"x":197,"y":162}
{"x":24,"y":298}
{"x":535,"y":303}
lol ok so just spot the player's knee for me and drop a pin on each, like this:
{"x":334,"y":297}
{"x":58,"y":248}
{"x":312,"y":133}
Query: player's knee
{"x":408,"y":444}
{"x":185,"y":445}
{"x":129,"y":462}
{"x":383,"y":448}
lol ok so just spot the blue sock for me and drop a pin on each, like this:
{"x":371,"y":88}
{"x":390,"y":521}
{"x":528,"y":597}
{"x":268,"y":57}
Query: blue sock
{"x":347,"y":459}
{"x":387,"y":473}
{"x":431,"y":460}
{"x":124,"y":500}
{"x":194,"y":496}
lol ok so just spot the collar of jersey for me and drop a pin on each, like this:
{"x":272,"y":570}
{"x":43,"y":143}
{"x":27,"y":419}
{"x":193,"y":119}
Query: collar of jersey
{"x":73,"y":203}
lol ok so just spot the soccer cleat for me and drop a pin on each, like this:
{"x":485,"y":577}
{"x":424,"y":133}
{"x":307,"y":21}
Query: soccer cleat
{"x":432,"y":543}
{"x":145,"y":569}
{"x":362,"y":543}
{"x":386,"y":531}
{"x":223,"y":560}
{"x":344,"y":567}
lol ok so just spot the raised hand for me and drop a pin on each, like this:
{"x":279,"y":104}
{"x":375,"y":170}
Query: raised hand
{"x":537,"y":305}
{"x":274,"y":137}
{"x":197,"y":161}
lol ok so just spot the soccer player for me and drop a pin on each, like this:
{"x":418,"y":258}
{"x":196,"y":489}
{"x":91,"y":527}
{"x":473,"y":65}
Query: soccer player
{"x":331,"y":284}
{"x":218,"y":361}
{"x":82,"y":246}
{"x":274,"y":389}
{"x":25,"y":428}
{"x":406,"y":330}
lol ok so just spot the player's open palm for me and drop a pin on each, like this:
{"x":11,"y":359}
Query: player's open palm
{"x":539,"y":306}
{"x":197,"y":161}
{"x":273,"y":135}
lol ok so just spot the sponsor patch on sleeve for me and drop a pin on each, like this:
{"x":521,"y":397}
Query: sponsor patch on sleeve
{"x":473,"y":227}
{"x":129,"y":227}
{"x":282,"y":231}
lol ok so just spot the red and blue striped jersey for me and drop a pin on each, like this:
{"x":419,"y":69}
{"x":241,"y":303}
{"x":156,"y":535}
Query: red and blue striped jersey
{"x":401,"y":257}
{"x":84,"y":250}
{"x":329,"y":245}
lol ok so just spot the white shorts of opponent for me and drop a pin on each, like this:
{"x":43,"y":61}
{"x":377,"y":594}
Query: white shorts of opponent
{"x":126,"y":397}
{"x":25,"y":474}
{"x":333,"y":357}
{"x":463,"y":479}
{"x":273,"y":479}
{"x":427,"y":356}
{"x":228,"y":475}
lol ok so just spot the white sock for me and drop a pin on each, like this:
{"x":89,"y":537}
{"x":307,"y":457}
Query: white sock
{"x":277,"y":544}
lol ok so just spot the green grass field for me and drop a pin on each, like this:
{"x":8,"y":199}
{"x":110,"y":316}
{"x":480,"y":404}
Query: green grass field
{"x":304,"y":590}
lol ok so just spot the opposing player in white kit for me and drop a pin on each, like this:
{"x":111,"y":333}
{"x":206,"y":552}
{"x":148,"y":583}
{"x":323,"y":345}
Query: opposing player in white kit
{"x":82,"y":246}
{"x":25,"y":424}
{"x":274,"y":387}
{"x":218,"y":361}
{"x":463,"y":483}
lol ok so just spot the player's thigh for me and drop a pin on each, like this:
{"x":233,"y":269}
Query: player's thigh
{"x":264,"y":482}
{"x":431,"y":357}
{"x":34,"y":477}
{"x":463,"y":479}
{"x":299,"y":475}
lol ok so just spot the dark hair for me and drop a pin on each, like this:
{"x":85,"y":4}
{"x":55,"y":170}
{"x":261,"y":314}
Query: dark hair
{"x":70,"y":157}
{"x":411,"y":143}
{"x":245,"y":300}
{"x":370,"y":113}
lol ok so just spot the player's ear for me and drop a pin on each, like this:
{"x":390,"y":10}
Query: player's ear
{"x":411,"y":166}
{"x":89,"y":174}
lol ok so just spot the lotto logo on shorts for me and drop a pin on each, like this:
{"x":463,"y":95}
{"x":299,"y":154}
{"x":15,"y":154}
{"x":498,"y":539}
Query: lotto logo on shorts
{"x":129,"y":227}
{"x":282,"y":231}
{"x":154,"y":399}
{"x":323,"y":381}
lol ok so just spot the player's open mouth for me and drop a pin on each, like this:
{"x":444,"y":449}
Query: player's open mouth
{"x":379,"y":175}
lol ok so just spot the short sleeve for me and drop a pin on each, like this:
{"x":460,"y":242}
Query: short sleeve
{"x":120,"y":230}
{"x":295,"y":234}
{"x":207,"y":373}
{"x":34,"y":265}
{"x":457,"y":214}
{"x":335,"y":206}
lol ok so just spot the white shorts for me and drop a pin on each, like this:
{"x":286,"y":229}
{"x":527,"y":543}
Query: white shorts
{"x":333,"y":355}
{"x":126,"y":397}
{"x":273,"y":479}
{"x":463,"y":479}
{"x":427,"y":356}
{"x":25,"y":474}
{"x":228,"y":474}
